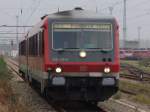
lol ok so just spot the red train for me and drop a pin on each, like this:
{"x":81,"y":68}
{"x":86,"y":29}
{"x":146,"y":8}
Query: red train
{"x":72,"y":55}
{"x":134,"y":54}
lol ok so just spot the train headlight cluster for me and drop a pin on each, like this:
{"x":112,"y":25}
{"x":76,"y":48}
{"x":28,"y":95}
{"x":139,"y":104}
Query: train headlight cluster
{"x":58,"y":70}
{"x":107,"y":70}
{"x":82,"y":54}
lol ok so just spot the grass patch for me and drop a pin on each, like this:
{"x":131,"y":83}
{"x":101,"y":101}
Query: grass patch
{"x":4,"y":72}
{"x":9,"y":102}
{"x":142,"y":91}
{"x":130,"y":62}
{"x":141,"y":99}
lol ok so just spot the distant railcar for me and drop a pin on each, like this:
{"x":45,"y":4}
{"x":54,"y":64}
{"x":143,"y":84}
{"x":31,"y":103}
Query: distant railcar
{"x":134,"y":54}
{"x":72,"y":55}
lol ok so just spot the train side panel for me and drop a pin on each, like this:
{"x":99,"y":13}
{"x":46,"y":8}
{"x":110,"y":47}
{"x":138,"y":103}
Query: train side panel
{"x":32,"y":61}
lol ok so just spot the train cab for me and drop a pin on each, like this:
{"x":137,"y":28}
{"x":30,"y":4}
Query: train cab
{"x":80,"y":58}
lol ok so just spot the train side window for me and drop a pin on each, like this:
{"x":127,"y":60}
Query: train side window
{"x":35,"y":45}
{"x":21,"y":52}
{"x":19,"y":48}
{"x":24,"y":51}
{"x":38,"y":35}
{"x":31,"y":46}
{"x":41,"y":43}
{"x":22,"y":47}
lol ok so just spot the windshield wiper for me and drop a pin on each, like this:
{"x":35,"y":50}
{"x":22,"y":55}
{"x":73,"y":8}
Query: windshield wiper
{"x":59,"y":49}
{"x":71,"y":48}
{"x":63,"y":49}
{"x":101,"y":49}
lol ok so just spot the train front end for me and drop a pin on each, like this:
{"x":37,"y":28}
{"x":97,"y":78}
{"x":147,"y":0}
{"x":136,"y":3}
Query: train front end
{"x":83,"y":59}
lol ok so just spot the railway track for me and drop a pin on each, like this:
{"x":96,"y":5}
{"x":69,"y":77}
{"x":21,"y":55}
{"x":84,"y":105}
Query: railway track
{"x":60,"y":106}
{"x":11,"y":63}
{"x":135,"y":73}
{"x":128,"y":92}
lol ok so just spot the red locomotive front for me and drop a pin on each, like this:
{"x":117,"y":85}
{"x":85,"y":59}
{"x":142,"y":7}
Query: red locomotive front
{"x":83,"y":46}
{"x":81,"y":56}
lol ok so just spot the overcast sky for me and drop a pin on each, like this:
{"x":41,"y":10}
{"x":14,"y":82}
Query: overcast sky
{"x":138,"y":12}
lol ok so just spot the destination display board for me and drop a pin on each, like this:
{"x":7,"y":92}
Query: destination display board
{"x":97,"y":26}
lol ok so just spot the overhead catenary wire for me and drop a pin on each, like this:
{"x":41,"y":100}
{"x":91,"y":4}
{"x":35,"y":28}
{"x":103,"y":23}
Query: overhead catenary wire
{"x":112,"y":5}
{"x":9,"y":37}
{"x":140,"y":3}
{"x":139,"y":16}
{"x":32,"y":12}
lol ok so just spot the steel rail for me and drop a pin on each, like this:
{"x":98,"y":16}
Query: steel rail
{"x":135,"y":73}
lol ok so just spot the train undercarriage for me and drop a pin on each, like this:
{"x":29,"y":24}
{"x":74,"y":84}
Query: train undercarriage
{"x":91,"y":89}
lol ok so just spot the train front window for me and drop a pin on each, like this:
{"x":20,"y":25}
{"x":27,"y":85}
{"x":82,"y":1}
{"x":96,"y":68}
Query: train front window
{"x":82,"y":36}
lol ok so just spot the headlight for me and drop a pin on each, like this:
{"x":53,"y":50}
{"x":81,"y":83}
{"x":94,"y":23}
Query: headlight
{"x":58,"y":70}
{"x":82,"y":54}
{"x":107,"y":70}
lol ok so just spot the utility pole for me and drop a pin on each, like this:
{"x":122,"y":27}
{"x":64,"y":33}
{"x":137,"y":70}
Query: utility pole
{"x":58,"y":9}
{"x":111,"y":10}
{"x":139,"y":34}
{"x":96,"y":9}
{"x":124,"y":24}
{"x":17,"y":41}
{"x":11,"y":46}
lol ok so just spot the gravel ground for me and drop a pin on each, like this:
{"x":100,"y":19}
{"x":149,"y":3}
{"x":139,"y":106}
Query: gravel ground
{"x":115,"y":107}
{"x":29,"y":97}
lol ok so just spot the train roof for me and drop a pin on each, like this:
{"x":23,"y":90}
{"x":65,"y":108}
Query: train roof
{"x":78,"y":13}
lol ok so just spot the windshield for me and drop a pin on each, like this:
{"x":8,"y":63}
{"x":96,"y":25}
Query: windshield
{"x":82,"y":36}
